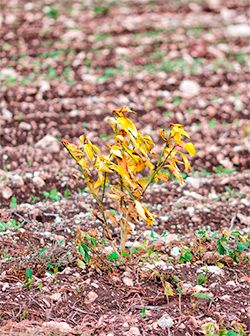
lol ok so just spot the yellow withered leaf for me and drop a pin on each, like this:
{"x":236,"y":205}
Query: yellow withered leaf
{"x":123,"y":173}
{"x":120,"y":112}
{"x":177,"y":138}
{"x":185,"y":161}
{"x":84,"y":164}
{"x":127,"y":125}
{"x":89,"y":151}
{"x":190,"y":148}
{"x":176,"y":172}
{"x":168,"y":290}
{"x":139,"y":167}
{"x":99,"y":181}
{"x":137,"y":193}
{"x":163,"y":134}
{"x":101,"y":164}
{"x":143,"y":181}
{"x":178,"y":129}
{"x":112,"y":218}
{"x":115,"y":150}
{"x":74,"y":150}
{"x":144,"y":213}
{"x":163,"y":176}
{"x":149,"y":217}
{"x":82,"y":138}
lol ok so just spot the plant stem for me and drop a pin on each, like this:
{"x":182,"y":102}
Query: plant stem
{"x":158,"y":166}
{"x":104,"y":187}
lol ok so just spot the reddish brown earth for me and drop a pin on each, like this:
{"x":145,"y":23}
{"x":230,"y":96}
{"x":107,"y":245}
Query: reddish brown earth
{"x":64,"y":67}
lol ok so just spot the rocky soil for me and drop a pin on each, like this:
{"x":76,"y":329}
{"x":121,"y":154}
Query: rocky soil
{"x":65,"y":65}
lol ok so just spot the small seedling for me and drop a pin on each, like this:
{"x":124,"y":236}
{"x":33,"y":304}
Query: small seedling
{"x":123,"y":173}
{"x":205,"y":296}
{"x":212,"y":123}
{"x":222,"y":170}
{"x":185,"y":256}
{"x":66,"y":193}
{"x":101,"y":10}
{"x":12,"y":224}
{"x":13,"y":202}
{"x":51,"y":12}
{"x":143,"y":312}
{"x":52,"y":194}
{"x":24,"y":315}
{"x":201,"y":279}
{"x":28,"y":278}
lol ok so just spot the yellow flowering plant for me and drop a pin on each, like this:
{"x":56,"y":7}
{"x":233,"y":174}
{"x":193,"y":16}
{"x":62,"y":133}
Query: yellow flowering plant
{"x":125,"y":171}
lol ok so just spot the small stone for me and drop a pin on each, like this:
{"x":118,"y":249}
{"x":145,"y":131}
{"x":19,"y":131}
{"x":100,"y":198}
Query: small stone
{"x":5,"y":286}
{"x":238,"y":30}
{"x":17,"y":180}
{"x":175,"y":251}
{"x":91,"y":297}
{"x":231,"y":283}
{"x":56,"y":296}
{"x":244,"y":219}
{"x":49,"y":143}
{"x":199,"y":288}
{"x":75,"y":113}
{"x":44,"y":300}
{"x":95,"y":285}
{"x":7,"y":193}
{"x":8,"y":72}
{"x":133,"y":331}
{"x":171,"y":237}
{"x":128,"y":281}
{"x":211,"y":269}
{"x":214,"y":4}
{"x":226,"y":298}
{"x":38,"y":181}
{"x":6,"y":114}
{"x":125,"y":325}
{"x":165,"y":322}
{"x":62,"y":327}
{"x":189,"y":88}
{"x":191,"y":211}
{"x":44,"y":86}
{"x":211,"y":257}
{"x":25,"y":126}
{"x":193,"y":181}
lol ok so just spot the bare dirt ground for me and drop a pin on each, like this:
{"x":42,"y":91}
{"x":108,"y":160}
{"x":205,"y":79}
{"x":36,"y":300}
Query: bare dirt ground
{"x":64,"y":67}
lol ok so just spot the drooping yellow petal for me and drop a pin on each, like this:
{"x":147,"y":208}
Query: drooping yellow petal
{"x":190,"y":148}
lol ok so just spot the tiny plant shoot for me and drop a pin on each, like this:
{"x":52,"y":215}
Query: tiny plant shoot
{"x":123,"y":173}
